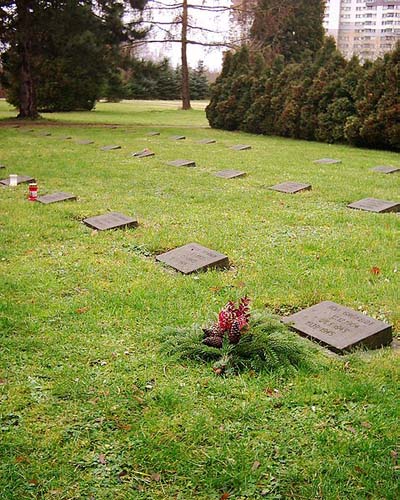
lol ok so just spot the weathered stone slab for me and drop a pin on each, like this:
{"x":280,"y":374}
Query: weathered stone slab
{"x":192,"y":258}
{"x":182,"y":163}
{"x":386,"y":169}
{"x":65,"y":137}
{"x":240,"y":147}
{"x":291,"y":187}
{"x":375,"y":205}
{"x":85,"y":141}
{"x":112,"y":220}
{"x":152,"y":134}
{"x":111,"y":147}
{"x":178,"y":137}
{"x":2,"y":166}
{"x":207,"y":141}
{"x":143,"y":154}
{"x":230,"y":174}
{"x":339,"y":328}
{"x":44,"y":134}
{"x":21,"y":179}
{"x":327,"y":161}
{"x":55,"y":198}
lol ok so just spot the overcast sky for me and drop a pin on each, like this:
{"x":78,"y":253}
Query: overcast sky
{"x":211,"y":56}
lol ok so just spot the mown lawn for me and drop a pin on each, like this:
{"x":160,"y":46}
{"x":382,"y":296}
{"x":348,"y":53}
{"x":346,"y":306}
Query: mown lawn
{"x":91,"y":408}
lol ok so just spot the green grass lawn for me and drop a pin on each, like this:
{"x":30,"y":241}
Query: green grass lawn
{"x":91,"y":408}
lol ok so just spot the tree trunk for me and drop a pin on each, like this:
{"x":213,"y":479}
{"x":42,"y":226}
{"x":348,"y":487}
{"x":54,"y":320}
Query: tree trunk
{"x":185,"y":69}
{"x":27,"y":104}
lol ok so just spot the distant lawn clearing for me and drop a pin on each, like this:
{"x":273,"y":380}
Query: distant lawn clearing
{"x":89,"y":405}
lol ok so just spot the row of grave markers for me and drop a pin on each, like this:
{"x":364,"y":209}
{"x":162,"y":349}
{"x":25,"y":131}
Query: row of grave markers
{"x":330,"y":324}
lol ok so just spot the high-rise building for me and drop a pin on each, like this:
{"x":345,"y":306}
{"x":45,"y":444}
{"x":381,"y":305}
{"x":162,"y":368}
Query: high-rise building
{"x":366,"y":28}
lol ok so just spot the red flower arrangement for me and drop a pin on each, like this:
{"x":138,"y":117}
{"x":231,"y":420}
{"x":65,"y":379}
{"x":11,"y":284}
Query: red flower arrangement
{"x":232,"y":322}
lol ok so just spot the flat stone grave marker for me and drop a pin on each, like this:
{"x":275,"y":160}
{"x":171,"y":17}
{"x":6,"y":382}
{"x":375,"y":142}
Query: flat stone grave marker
{"x":291,"y":187}
{"x":230,"y":174}
{"x":112,"y":220}
{"x":375,"y":205}
{"x":21,"y":179}
{"x":152,"y":134}
{"x":192,"y":258}
{"x":386,"y":169}
{"x":240,"y":147}
{"x":182,"y":163}
{"x":327,"y":161}
{"x":207,"y":141}
{"x":44,"y":134}
{"x":143,"y":154}
{"x":111,"y":147}
{"x":65,"y":137}
{"x":339,"y":328}
{"x":2,"y":166}
{"x":178,"y":137}
{"x":85,"y":141}
{"x":55,"y":197}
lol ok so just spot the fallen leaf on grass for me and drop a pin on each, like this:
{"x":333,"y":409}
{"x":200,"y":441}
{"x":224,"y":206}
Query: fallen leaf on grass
{"x":156,"y":477}
{"x":215,"y":289}
{"x":375,"y":270}
{"x":224,"y":496}
{"x":124,"y":427}
{"x":394,"y":456}
{"x":33,"y":482}
{"x":351,"y":429}
{"x":272,"y":393}
{"x":359,"y":469}
{"x":366,"y":425}
{"x":3,"y":381}
{"x":82,"y":310}
{"x":21,"y":459}
{"x":255,"y":465}
{"x":102,"y":459}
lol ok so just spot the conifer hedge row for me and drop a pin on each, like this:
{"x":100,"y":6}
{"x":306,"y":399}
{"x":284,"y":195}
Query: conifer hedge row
{"x":323,"y":97}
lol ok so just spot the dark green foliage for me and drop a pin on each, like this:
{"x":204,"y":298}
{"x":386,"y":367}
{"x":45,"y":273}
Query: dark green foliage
{"x":288,"y":28}
{"x":377,"y":119}
{"x":268,"y":345}
{"x":150,"y":80}
{"x":158,"y":80}
{"x":198,"y":83}
{"x":74,"y":54}
{"x":232,"y":94}
{"x":322,"y":97}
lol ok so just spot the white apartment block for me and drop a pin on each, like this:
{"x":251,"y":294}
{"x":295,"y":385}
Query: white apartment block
{"x":366,"y":28}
